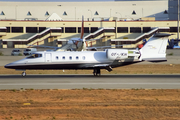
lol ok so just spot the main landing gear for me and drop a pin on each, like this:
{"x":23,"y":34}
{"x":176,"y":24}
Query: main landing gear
{"x":97,"y":72}
{"x":23,"y":74}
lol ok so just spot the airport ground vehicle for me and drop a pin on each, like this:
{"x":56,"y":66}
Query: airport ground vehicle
{"x":29,"y":51}
{"x":16,"y":52}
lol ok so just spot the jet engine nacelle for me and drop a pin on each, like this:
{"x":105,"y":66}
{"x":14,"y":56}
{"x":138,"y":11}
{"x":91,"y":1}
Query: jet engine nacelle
{"x":117,"y":54}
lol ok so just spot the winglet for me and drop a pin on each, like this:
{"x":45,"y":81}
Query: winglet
{"x":82,"y":28}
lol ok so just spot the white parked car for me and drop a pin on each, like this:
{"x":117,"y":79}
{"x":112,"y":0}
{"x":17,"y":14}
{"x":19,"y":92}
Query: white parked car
{"x":16,"y":52}
{"x":29,"y":51}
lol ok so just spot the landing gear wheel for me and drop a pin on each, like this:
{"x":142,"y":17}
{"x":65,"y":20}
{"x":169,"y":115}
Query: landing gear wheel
{"x":23,"y":74}
{"x":97,"y":72}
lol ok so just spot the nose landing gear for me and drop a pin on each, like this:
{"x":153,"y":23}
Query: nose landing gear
{"x":23,"y":74}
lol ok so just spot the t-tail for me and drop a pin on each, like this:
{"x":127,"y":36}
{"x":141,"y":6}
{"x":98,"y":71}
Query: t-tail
{"x":155,"y":49}
{"x":82,"y":35}
{"x":82,"y":28}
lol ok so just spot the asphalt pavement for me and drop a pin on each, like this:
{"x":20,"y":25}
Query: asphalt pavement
{"x":90,"y":82}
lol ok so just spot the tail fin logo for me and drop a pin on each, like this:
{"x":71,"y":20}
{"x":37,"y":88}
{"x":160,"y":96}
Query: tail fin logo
{"x":152,"y":47}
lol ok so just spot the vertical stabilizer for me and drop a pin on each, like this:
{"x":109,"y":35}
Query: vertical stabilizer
{"x":82,"y":36}
{"x":82,"y":28}
{"x":155,"y":49}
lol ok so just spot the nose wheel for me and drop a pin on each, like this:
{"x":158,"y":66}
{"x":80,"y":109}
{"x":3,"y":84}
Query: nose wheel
{"x":97,"y":72}
{"x":23,"y":74}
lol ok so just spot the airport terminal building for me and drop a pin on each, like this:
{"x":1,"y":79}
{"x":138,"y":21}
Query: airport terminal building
{"x":54,"y":23}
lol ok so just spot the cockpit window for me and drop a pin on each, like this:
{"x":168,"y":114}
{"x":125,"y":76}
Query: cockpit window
{"x":35,"y":56}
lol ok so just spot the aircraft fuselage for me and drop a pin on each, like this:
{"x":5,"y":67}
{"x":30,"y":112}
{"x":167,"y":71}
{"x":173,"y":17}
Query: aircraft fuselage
{"x":67,"y":60}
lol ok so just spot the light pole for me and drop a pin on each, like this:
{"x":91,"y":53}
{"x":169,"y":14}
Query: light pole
{"x":75,"y":13}
{"x":16,"y":12}
{"x":120,"y":14}
{"x":178,"y":23}
{"x":59,"y":5}
{"x":91,"y":13}
{"x":110,"y":12}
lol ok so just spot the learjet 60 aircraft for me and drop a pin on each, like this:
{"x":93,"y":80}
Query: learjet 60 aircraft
{"x":153,"y":51}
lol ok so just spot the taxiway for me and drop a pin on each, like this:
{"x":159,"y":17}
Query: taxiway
{"x":89,"y":81}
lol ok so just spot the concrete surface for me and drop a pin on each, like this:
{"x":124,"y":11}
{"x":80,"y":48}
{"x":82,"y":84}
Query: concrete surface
{"x":89,"y":81}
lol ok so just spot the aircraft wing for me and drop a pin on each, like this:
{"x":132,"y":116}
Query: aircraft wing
{"x":63,"y":48}
{"x":41,"y":46}
{"x":103,"y":47}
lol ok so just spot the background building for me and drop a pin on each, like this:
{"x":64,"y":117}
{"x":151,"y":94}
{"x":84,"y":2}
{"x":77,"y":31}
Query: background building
{"x":122,"y":9}
{"x":54,"y":23}
{"x":173,"y":9}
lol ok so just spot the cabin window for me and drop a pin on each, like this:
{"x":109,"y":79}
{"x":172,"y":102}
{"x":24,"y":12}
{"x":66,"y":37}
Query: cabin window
{"x":77,"y":58}
{"x":57,"y":57}
{"x":83,"y":57}
{"x":63,"y":57}
{"x":70,"y":57}
{"x":35,"y":56}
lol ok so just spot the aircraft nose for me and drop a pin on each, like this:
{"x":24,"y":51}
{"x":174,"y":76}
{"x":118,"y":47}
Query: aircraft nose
{"x":15,"y":64}
{"x":10,"y":65}
{"x":7,"y":65}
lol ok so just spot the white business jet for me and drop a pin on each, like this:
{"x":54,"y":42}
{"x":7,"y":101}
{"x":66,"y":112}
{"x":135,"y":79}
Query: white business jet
{"x":153,"y":51}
